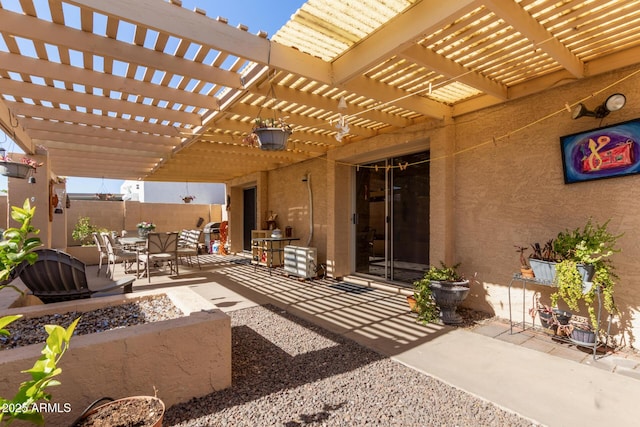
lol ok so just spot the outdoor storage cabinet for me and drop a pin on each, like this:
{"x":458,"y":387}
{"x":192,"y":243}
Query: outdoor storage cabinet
{"x":300,"y":261}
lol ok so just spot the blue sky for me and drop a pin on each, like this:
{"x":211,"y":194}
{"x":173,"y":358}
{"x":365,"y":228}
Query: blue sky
{"x":258,"y":15}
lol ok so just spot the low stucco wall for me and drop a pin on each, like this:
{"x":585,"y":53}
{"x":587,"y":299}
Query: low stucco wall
{"x":180,"y":358}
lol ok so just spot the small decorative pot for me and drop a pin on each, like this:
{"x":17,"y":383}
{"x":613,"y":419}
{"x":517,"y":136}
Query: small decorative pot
{"x":527,"y":273}
{"x":582,"y":336}
{"x":143,"y":232}
{"x":412,"y":303}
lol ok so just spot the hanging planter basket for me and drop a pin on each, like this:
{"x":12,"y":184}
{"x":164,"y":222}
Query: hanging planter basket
{"x":15,"y":170}
{"x":104,"y":196}
{"x":272,"y":139}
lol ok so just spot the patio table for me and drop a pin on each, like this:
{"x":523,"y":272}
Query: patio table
{"x":266,"y":245}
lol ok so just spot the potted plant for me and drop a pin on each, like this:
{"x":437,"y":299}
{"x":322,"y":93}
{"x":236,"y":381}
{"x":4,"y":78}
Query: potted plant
{"x":83,"y":231}
{"x":104,"y":196}
{"x":542,"y":261}
{"x":422,"y":302}
{"x":144,"y":228}
{"x":449,"y":289}
{"x":142,"y":411}
{"x":585,"y":268}
{"x":188,"y":199}
{"x":525,"y":269}
{"x":269,"y":134}
{"x":20,"y":169}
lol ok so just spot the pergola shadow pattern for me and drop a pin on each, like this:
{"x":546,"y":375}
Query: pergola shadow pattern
{"x":362,"y":313}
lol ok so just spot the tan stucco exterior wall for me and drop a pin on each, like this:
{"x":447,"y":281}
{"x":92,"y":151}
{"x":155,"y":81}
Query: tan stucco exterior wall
{"x":115,"y":216}
{"x":512,"y":192}
{"x":486,"y":195}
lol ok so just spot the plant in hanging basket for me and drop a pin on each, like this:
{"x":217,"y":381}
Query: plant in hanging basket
{"x":104,"y":196}
{"x":20,"y":169}
{"x":269,"y":134}
{"x":188,"y":199}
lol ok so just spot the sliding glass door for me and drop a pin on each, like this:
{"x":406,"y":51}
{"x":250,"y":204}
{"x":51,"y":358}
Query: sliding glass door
{"x":392,"y":218}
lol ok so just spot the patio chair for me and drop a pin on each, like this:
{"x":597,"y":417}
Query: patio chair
{"x":57,"y":276}
{"x":161,"y":248}
{"x":188,"y":245}
{"x":117,"y":254}
{"x":104,"y":256}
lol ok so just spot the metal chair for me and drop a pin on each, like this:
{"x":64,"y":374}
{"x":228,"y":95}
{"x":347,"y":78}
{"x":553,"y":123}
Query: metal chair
{"x":104,"y":256}
{"x":116,"y":254}
{"x":57,"y":276}
{"x":161,"y":248}
{"x":188,"y":245}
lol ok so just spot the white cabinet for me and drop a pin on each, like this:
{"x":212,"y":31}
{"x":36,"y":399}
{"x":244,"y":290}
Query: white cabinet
{"x":300,"y":261}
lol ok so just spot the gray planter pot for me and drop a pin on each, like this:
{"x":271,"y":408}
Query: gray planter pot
{"x":272,"y":139}
{"x":15,"y":170}
{"x":545,"y":271}
{"x":448,"y":296}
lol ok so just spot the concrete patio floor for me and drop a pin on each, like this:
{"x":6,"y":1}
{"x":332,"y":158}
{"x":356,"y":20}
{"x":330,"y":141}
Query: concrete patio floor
{"x":528,"y":373}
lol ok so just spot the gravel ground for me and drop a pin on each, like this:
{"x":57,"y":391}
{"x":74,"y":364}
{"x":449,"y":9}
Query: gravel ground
{"x":31,"y":331}
{"x":309,"y":376}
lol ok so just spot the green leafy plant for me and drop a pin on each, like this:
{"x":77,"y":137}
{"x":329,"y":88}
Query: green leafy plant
{"x":83,"y":231}
{"x":591,"y":247}
{"x":24,"y":405}
{"x":444,"y":273}
{"x":425,"y":307}
{"x":17,"y":245}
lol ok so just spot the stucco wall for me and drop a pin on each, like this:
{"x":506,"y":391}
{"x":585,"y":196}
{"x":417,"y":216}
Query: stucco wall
{"x":512,"y":192}
{"x":181,"y":358}
{"x":496,"y":182}
{"x":289,"y":198}
{"x":126,"y":215}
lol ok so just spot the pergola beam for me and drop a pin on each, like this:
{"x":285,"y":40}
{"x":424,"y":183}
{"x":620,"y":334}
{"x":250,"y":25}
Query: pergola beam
{"x":512,"y":13}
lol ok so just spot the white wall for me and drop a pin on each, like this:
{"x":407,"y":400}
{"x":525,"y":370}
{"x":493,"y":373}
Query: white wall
{"x":171,"y":192}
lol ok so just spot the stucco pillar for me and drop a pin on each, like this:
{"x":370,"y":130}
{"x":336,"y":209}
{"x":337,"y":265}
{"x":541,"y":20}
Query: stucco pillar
{"x":339,"y":224}
{"x":37,"y":193}
{"x":442,"y":194}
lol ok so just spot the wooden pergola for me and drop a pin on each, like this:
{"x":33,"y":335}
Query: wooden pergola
{"x":149,"y":90}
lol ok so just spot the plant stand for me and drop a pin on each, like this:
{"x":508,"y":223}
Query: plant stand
{"x":592,"y":343}
{"x":448,"y":296}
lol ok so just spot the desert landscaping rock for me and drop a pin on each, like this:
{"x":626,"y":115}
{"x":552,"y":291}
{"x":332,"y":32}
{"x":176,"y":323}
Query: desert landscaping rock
{"x":31,"y":331}
{"x":288,"y":372}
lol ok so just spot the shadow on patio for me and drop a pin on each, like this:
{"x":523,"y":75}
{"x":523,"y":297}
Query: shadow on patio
{"x":376,"y":318}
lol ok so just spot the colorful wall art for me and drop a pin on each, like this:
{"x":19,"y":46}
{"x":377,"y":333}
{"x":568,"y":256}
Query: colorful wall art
{"x":602,"y":153}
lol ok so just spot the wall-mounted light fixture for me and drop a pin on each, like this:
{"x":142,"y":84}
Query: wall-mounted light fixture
{"x":614,"y":102}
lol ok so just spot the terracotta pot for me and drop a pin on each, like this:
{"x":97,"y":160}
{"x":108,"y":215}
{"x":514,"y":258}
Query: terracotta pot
{"x":527,"y":273}
{"x":412,"y":303}
{"x":142,"y":411}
